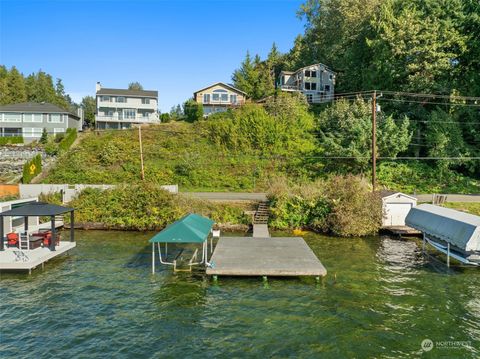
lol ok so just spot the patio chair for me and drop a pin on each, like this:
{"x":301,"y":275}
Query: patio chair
{"x":12,"y":239}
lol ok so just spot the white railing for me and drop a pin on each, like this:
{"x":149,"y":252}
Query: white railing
{"x":290,"y":87}
{"x":220,"y":102}
{"x":127,"y":119}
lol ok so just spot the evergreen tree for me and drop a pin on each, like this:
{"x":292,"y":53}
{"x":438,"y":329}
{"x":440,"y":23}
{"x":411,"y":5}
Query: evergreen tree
{"x":15,"y":86}
{"x":89,"y":105}
{"x":135,"y":86}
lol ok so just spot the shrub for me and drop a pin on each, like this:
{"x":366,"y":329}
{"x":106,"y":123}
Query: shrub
{"x":32,"y":168}
{"x":355,"y":210}
{"x":70,"y":137}
{"x":44,"y":138}
{"x":146,"y":206}
{"x":343,"y":206}
{"x":11,"y":140}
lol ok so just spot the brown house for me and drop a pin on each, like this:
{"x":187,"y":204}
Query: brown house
{"x":219,"y":97}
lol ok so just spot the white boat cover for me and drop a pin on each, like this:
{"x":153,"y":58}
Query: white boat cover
{"x":460,"y":229}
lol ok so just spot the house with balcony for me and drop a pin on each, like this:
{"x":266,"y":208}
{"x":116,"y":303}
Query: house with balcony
{"x":316,"y":82}
{"x":219,"y":97}
{"x":123,"y":108}
{"x":28,"y":119}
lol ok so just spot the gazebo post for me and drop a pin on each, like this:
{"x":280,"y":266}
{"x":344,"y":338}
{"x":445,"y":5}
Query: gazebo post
{"x":72,"y":225}
{"x":2,"y":246}
{"x":153,"y":258}
{"x":52,"y":239}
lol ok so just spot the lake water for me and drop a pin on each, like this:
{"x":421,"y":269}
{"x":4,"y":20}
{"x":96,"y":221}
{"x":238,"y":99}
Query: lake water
{"x":101,"y":301}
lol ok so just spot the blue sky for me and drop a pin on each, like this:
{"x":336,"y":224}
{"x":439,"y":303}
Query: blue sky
{"x":174,"y":47}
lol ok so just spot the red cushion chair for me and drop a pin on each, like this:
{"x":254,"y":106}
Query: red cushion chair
{"x":12,"y":239}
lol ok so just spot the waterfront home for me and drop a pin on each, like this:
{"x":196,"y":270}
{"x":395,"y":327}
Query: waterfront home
{"x":122,"y":108}
{"x":316,"y":82}
{"x":219,"y":97}
{"x":28,"y":119}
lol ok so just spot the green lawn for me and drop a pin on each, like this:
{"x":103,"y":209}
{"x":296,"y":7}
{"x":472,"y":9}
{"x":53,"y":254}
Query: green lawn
{"x":469,"y":207}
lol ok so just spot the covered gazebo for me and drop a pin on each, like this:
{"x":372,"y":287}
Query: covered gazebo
{"x":38,"y":209}
{"x":191,"y":228}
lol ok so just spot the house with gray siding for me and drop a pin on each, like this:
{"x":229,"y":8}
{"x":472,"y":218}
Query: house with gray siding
{"x":122,"y":108}
{"x":316,"y":82}
{"x":219,"y":97}
{"x":28,"y":119}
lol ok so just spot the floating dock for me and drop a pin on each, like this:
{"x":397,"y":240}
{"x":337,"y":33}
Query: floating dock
{"x":277,"y":256}
{"x":16,"y":259}
{"x":402,"y":231}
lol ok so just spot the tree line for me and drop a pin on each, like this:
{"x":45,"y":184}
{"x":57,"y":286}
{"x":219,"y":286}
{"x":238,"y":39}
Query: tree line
{"x":407,"y":46}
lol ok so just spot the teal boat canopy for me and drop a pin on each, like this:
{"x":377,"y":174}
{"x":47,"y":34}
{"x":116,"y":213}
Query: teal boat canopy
{"x":191,"y":228}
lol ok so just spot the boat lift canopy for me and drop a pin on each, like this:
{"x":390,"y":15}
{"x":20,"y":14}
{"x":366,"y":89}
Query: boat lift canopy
{"x":191,"y":228}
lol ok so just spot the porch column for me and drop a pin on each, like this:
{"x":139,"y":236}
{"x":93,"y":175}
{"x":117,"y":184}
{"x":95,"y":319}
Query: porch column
{"x":72,"y":225}
{"x":52,"y":241}
{"x":1,"y":234}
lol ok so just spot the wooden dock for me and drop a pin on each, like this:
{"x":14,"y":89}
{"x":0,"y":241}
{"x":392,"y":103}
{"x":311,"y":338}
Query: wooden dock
{"x":31,"y":259}
{"x":402,"y":231}
{"x":277,"y":256}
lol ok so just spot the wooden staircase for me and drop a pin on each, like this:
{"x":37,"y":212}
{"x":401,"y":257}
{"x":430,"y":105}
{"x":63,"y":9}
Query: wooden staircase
{"x":262,"y":213}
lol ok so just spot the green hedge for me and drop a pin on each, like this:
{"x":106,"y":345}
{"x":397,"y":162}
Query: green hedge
{"x":11,"y":140}
{"x":68,"y":140}
{"x":28,"y":172}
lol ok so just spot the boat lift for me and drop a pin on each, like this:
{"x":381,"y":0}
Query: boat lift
{"x":190,"y":229}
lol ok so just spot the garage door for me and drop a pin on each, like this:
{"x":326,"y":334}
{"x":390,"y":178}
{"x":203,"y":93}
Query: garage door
{"x":396,"y":213}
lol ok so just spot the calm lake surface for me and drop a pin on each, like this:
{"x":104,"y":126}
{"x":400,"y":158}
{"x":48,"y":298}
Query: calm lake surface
{"x":102,"y":301}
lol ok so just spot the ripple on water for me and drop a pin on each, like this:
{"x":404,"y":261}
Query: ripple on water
{"x":101,"y":301}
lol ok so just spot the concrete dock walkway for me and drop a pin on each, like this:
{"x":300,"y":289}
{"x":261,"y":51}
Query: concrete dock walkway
{"x":260,"y":231}
{"x":277,"y":256}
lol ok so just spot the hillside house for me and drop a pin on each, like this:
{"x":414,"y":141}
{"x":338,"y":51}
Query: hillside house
{"x":28,"y":119}
{"x":316,"y":82}
{"x":219,"y":97}
{"x":122,"y":108}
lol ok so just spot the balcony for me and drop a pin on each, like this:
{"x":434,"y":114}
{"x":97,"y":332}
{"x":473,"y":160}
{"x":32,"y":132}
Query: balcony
{"x":290,"y":88}
{"x":223,"y":103}
{"x":130,"y":103}
{"x":137,"y":119}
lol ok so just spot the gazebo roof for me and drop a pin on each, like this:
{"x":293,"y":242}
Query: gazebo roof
{"x":37,"y":209}
{"x":191,"y":228}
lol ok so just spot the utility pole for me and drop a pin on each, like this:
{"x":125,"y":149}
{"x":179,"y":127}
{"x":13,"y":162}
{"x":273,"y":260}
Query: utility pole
{"x":374,"y":140}
{"x":141,"y":151}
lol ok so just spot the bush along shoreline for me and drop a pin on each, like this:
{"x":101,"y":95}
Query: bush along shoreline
{"x":343,"y":206}
{"x":147,"y":207}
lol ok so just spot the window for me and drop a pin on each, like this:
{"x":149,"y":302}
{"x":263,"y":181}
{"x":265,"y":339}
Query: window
{"x":58,"y":130}
{"x":233,"y":99}
{"x":32,"y":132}
{"x":330,"y":77}
{"x":314,"y":74}
{"x":12,"y":117}
{"x":206,"y":98}
{"x":145,"y":114}
{"x":129,"y":113}
{"x":55,"y":118}
{"x":32,"y":117}
{"x":146,"y":101}
{"x":313,"y":86}
{"x":109,"y":113}
{"x":307,"y":73}
{"x":215,"y":97}
{"x":327,"y":88}
{"x":224,"y":97}
{"x":121,"y":99}
{"x":105,"y":98}
{"x":307,"y":85}
{"x":309,"y":98}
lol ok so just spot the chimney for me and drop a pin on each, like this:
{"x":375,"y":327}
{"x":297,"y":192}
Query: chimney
{"x":98,"y":87}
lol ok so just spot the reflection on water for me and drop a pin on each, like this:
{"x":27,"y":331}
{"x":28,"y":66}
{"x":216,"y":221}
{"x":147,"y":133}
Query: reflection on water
{"x":102,"y":301}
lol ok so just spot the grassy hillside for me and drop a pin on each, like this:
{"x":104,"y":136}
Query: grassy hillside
{"x":174,"y":153}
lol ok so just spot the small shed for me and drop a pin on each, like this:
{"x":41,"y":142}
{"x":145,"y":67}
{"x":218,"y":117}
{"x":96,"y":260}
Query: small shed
{"x":396,"y":206}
